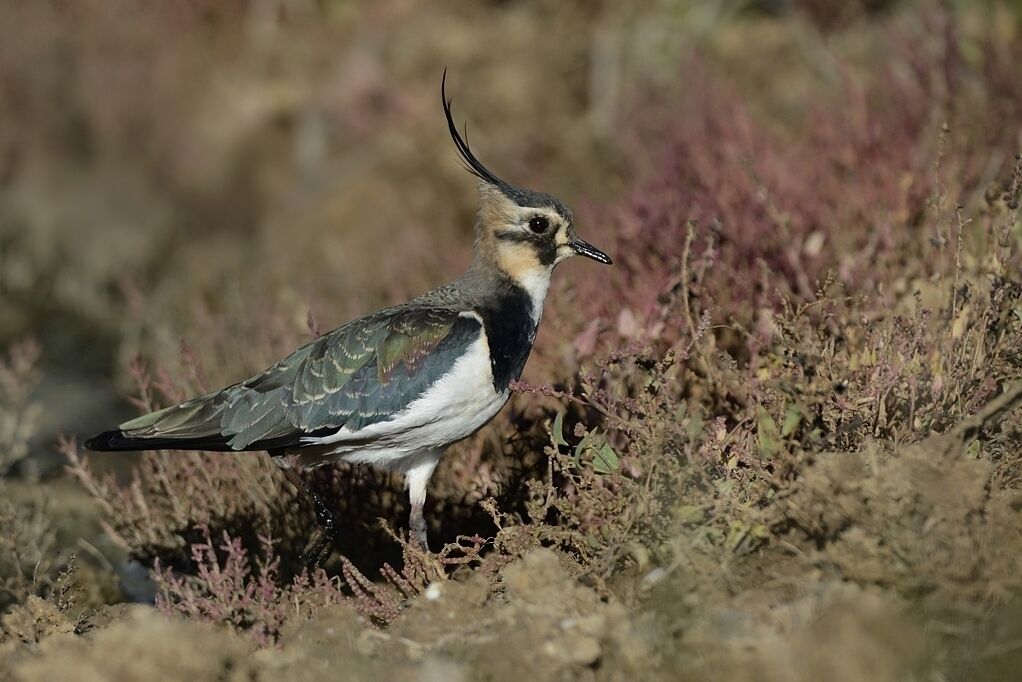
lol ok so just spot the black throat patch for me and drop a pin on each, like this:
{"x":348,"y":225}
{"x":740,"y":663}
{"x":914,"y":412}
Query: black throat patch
{"x":510,"y":331}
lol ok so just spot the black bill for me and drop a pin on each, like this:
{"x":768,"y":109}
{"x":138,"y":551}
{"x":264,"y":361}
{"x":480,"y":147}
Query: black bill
{"x":584,"y":248}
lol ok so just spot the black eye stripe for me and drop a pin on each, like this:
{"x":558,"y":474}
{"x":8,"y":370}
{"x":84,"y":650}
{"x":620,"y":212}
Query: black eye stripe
{"x":513,"y":236}
{"x":544,"y":246}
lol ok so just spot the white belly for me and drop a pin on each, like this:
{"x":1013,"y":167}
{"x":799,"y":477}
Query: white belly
{"x":455,"y":407}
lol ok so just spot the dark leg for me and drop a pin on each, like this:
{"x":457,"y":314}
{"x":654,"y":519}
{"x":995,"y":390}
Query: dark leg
{"x":417,"y":526}
{"x":322,"y":542}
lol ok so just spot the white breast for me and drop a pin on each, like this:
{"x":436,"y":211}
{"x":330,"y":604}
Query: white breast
{"x":455,"y":407}
{"x":536,"y":284}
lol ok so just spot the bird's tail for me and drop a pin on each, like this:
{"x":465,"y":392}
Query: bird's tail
{"x":116,"y":440}
{"x":192,"y":425}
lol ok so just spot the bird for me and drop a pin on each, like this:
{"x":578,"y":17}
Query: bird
{"x":395,"y":388}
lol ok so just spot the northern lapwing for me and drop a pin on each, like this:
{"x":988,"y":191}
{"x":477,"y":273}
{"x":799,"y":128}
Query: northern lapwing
{"x":395,"y":388}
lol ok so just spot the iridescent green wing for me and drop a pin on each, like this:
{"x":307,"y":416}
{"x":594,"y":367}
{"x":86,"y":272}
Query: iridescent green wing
{"x":362,"y":373}
{"x":368,"y":375}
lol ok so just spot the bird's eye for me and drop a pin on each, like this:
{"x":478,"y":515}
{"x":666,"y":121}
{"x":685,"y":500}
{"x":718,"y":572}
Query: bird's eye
{"x":539,"y":224}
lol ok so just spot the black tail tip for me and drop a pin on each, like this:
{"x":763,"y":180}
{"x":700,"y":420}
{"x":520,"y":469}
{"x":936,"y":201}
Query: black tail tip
{"x":108,"y":441}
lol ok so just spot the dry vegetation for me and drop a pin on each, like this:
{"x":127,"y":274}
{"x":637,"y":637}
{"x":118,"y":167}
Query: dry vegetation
{"x":780,"y":440}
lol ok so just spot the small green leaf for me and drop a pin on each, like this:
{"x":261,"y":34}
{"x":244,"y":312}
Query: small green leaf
{"x":736,"y":533}
{"x":743,"y":538}
{"x":694,"y":426}
{"x":557,"y":430}
{"x":586,"y":441}
{"x":605,"y":460}
{"x":768,"y":435}
{"x":690,"y":513}
{"x":792,"y":418}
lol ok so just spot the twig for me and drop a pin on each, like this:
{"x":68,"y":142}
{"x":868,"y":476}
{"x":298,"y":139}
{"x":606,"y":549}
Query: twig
{"x":958,"y":261}
{"x":969,"y":429}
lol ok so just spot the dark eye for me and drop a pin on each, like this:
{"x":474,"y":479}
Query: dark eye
{"x":539,"y":224}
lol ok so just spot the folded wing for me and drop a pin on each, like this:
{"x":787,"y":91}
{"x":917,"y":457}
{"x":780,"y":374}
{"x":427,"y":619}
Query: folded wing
{"x":365,"y":372}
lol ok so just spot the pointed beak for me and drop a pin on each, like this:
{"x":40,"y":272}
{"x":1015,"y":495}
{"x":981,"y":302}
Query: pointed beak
{"x":584,"y":248}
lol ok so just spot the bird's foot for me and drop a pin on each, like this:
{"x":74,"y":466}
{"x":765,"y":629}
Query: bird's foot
{"x":417,"y":528}
{"x":322,"y":543}
{"x":319,"y":549}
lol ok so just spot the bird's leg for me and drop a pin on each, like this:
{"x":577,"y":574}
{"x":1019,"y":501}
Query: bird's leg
{"x":417,"y":526}
{"x":420,"y":468}
{"x":322,"y":542}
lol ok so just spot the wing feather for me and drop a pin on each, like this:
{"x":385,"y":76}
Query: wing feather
{"x":359,"y":374}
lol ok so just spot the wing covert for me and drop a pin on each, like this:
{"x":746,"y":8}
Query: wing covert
{"x":357,"y":375}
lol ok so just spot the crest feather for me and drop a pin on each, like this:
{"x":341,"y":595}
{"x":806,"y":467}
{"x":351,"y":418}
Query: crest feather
{"x":471,"y":163}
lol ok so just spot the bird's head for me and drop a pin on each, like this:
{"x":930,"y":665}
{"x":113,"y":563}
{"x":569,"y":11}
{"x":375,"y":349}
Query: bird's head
{"x":522,"y":232}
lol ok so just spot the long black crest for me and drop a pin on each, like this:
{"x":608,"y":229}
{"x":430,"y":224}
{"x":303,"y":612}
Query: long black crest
{"x":472,"y":164}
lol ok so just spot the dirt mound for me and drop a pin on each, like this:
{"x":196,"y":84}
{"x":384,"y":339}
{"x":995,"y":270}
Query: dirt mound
{"x":885,"y":564}
{"x":834,"y":631}
{"x":455,"y":630}
{"x":140,"y":645}
{"x":921,"y":518}
{"x":466,"y":630}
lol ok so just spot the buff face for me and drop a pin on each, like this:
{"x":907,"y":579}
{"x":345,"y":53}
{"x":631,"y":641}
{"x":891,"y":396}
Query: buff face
{"x":526,"y":240}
